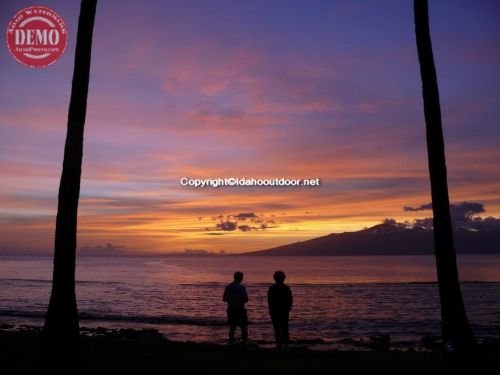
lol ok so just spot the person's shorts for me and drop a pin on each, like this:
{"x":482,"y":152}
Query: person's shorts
{"x":237,"y":316}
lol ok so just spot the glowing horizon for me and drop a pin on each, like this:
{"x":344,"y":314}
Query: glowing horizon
{"x":248,"y":90}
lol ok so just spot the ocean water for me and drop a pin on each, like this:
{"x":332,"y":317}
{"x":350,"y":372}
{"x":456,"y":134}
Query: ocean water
{"x":336,"y":299}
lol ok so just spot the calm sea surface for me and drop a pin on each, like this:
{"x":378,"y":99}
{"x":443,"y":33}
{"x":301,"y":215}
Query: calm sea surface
{"x":336,"y":298}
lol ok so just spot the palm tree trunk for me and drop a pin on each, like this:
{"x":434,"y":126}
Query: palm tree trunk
{"x":61,"y":333}
{"x":456,"y":331}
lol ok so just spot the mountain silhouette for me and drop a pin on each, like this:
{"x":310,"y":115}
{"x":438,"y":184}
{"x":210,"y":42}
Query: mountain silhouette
{"x":388,"y":239}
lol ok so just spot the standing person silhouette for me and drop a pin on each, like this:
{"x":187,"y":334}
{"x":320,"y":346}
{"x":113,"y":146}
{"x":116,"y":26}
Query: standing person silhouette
{"x":236,"y":296}
{"x":280,"y":300}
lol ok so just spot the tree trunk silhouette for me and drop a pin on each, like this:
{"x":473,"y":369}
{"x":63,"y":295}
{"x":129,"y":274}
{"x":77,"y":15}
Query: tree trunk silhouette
{"x":457,"y":334}
{"x":60,"y":347}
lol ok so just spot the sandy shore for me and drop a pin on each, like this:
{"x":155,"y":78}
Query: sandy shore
{"x":148,"y":353}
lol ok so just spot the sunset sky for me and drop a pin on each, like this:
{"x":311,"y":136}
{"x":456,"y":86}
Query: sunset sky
{"x":263,"y":89}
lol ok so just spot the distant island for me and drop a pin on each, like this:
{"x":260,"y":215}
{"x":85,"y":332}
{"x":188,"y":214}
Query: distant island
{"x":110,"y":250}
{"x":388,"y":238}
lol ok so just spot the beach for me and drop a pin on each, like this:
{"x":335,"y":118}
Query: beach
{"x":148,"y":353}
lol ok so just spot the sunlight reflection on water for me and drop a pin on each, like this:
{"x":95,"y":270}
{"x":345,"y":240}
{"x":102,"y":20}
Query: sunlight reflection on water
{"x":335,"y":297}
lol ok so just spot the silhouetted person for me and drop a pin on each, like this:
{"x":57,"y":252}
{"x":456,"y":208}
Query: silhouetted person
{"x":280,"y":300}
{"x":236,"y":296}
